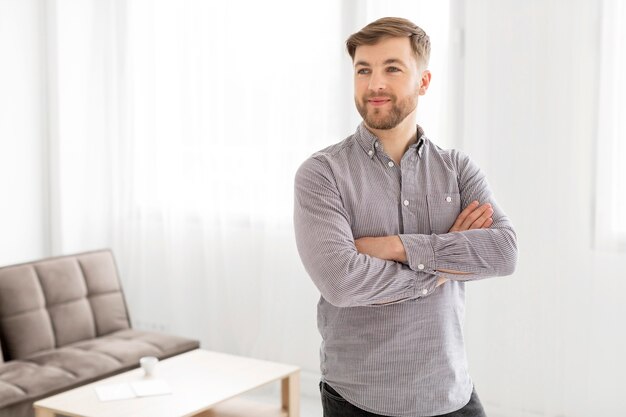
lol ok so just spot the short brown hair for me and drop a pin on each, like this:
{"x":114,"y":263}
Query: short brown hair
{"x":392,"y":27}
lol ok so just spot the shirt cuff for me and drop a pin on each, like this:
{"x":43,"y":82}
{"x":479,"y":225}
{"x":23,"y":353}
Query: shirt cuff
{"x":419,"y":251}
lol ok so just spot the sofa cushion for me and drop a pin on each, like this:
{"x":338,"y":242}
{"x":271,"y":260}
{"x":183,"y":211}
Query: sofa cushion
{"x":25,"y":325}
{"x":127,"y":346}
{"x":109,"y":311}
{"x":9,"y":393}
{"x":72,"y":321}
{"x":100,"y":272}
{"x":27,"y":333}
{"x":21,"y":380}
{"x":65,"y":292}
{"x":59,"y":301}
{"x":81,"y":363}
{"x":166,"y":344}
{"x":55,"y":370}
{"x":19,"y":290}
{"x":104,"y":292}
{"x":126,"y":352}
{"x":61,"y":280}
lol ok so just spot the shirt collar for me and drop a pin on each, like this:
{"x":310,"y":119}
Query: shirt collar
{"x":370,"y":142}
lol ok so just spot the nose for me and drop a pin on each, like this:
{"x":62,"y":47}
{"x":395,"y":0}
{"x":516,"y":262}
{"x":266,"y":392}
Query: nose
{"x":377,"y":81}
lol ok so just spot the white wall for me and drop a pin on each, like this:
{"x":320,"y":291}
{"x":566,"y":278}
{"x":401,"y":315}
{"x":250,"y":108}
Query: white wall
{"x":546,"y":341}
{"x":23,"y":201}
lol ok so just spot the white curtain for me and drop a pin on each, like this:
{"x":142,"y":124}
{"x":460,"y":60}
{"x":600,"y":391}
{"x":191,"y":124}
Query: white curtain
{"x":611,"y":149}
{"x":22,"y":124}
{"x":178,"y":128}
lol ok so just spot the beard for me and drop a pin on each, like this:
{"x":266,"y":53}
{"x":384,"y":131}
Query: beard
{"x":383,"y":119}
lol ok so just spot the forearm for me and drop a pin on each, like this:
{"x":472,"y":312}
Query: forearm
{"x":489,"y":253}
{"x":466,"y":255}
{"x":473,"y":250}
{"x":350,"y":279}
{"x":345,"y":277}
{"x":389,"y":248}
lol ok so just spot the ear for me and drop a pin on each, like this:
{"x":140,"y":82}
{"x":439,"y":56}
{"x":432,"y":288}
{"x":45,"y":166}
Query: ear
{"x":424,"y":82}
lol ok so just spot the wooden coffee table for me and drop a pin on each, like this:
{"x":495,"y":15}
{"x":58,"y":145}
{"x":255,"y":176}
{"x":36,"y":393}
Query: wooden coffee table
{"x":203,"y":383}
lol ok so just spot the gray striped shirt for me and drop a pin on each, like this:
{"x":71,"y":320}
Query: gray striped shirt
{"x":392,"y":340}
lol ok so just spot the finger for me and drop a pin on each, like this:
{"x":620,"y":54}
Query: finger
{"x":474,"y":215}
{"x":480,"y":221}
{"x":463,"y":215}
{"x":488,"y":223}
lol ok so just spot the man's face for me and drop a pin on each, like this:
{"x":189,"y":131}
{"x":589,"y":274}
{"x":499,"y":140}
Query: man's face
{"x":387,"y":82}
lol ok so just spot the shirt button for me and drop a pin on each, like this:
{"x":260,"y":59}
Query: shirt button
{"x":420,"y":266}
{"x":370,"y":153}
{"x":448,"y":199}
{"x":406,"y":202}
{"x":376,"y":144}
{"x":424,"y":291}
{"x":390,"y":163}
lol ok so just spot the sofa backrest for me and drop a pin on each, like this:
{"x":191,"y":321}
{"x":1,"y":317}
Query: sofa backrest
{"x":58,"y":301}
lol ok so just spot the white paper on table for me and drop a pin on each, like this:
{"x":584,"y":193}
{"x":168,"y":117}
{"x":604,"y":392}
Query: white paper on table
{"x":150,"y":387}
{"x":115,"y":392}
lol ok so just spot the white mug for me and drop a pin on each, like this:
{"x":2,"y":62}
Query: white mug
{"x":148,"y":363}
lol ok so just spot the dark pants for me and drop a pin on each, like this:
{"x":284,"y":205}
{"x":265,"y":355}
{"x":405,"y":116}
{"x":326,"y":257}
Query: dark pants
{"x":335,"y":406}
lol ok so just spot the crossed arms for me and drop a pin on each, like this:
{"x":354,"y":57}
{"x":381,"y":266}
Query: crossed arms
{"x":391,"y":248}
{"x":374,"y":271}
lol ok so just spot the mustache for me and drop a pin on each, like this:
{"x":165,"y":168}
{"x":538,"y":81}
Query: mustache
{"x":379,"y":95}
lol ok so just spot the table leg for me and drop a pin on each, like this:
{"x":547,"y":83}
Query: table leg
{"x":42,"y":412}
{"x":291,"y":394}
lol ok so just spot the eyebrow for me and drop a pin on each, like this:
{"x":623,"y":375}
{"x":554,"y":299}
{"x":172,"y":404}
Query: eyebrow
{"x":387,"y":62}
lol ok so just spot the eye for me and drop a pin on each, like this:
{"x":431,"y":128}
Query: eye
{"x":363,"y":71}
{"x":393,"y":69}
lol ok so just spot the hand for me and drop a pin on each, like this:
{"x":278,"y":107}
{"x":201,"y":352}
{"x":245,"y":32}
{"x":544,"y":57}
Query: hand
{"x":474,"y":216}
{"x":441,"y":281}
{"x":389,"y":248}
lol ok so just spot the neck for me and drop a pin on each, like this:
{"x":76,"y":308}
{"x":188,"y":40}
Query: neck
{"x":398,"y":139}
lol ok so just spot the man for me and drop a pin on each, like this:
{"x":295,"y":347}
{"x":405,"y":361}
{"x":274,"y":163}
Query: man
{"x":380,"y":230}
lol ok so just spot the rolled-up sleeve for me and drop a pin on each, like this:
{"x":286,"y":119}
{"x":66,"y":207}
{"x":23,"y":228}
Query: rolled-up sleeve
{"x":325,"y":242}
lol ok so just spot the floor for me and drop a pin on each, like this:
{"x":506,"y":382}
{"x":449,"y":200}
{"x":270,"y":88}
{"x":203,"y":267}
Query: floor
{"x":309,"y":406}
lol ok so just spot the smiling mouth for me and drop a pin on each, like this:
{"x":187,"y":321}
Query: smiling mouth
{"x":378,"y":101}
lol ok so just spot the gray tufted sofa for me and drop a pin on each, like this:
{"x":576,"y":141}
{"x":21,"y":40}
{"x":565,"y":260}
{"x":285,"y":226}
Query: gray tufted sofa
{"x":64,"y":323}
